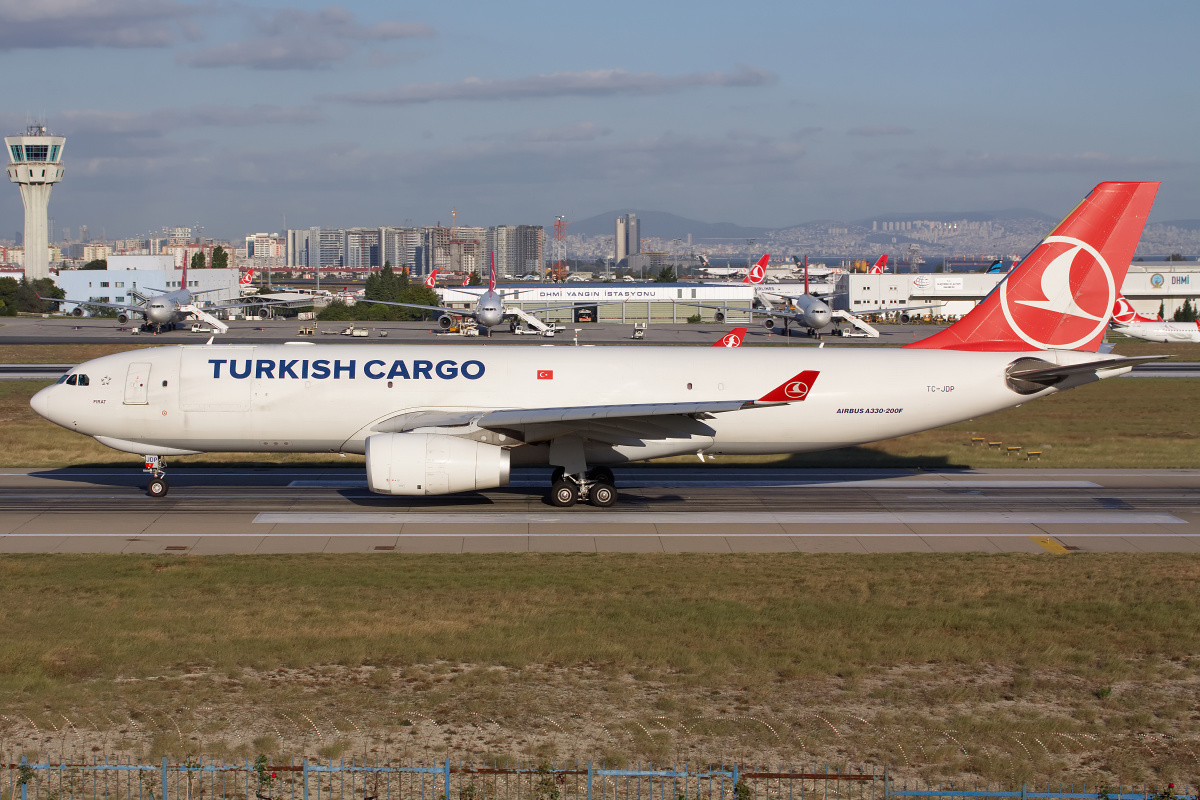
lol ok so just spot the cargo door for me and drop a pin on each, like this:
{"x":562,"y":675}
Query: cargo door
{"x":137,"y":382}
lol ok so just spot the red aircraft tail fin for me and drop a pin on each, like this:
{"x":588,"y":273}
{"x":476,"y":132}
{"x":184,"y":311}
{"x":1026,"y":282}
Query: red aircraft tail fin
{"x":759,"y":271}
{"x":1062,"y":294}
{"x":732,"y":339}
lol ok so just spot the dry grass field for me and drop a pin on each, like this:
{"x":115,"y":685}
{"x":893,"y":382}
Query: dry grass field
{"x":998,"y":667}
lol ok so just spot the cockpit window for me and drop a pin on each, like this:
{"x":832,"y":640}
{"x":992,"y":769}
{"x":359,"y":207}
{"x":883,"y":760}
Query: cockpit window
{"x":71,"y":380}
{"x":63,"y":379}
{"x":83,"y":380}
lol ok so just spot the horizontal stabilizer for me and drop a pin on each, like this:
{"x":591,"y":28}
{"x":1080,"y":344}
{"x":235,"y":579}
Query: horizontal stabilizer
{"x":1049,"y":376}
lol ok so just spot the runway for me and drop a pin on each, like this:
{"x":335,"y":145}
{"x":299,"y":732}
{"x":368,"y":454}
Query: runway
{"x":661,"y":509}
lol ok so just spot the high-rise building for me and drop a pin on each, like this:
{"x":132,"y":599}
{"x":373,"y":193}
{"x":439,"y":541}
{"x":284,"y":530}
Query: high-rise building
{"x":329,"y":249}
{"x":36,"y":166}
{"x":400,"y":247}
{"x":303,"y":247}
{"x":628,"y":238}
{"x":360,"y":248}
{"x":518,"y":248}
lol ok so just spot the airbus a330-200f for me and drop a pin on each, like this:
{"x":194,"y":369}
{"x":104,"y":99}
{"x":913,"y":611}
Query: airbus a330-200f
{"x":438,"y":420}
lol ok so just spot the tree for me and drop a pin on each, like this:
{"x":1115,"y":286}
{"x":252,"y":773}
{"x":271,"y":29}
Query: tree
{"x":99,"y":263}
{"x":1162,"y":310}
{"x":665,"y":275}
{"x":1175,"y":257}
{"x":1186,"y":312}
{"x":198,"y":260}
{"x":474,"y":279}
{"x":220,"y":258}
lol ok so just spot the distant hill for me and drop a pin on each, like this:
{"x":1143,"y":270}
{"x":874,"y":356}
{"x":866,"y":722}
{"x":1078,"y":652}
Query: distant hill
{"x":1184,"y":224}
{"x":662,"y":225}
{"x":969,"y":216}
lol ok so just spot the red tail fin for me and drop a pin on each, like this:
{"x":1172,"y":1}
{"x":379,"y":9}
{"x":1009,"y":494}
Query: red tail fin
{"x":1062,"y":294}
{"x":880,"y":266}
{"x":732,"y":339}
{"x":1124,"y":312}
{"x":759,"y":271}
{"x":431,"y":281}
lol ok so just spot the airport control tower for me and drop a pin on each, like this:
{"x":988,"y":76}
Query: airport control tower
{"x":35,"y":166}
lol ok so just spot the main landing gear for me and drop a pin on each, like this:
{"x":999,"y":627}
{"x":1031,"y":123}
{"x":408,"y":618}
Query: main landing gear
{"x":157,"y":468}
{"x":594,"y":486}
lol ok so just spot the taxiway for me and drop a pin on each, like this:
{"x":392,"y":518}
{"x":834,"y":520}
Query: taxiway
{"x":675,"y":509}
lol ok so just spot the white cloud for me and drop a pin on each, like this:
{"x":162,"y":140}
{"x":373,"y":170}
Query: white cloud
{"x":291,"y":39}
{"x":587,"y":83}
{"x":41,"y":24}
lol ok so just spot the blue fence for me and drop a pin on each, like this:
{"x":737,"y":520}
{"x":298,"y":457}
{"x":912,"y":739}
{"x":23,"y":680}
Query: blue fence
{"x":447,"y":781}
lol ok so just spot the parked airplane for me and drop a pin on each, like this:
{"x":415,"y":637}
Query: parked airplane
{"x":431,"y":281}
{"x":777,"y":309}
{"x":167,"y":309}
{"x":880,"y":266}
{"x":438,"y":420}
{"x":489,"y":310}
{"x":1126,"y":321}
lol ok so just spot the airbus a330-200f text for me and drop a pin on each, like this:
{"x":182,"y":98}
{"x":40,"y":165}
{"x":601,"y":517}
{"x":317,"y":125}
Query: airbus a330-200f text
{"x":438,"y":420}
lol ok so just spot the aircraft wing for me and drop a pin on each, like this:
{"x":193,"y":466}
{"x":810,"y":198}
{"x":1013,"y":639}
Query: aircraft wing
{"x":629,"y":424}
{"x":455,"y":312}
{"x":90,"y":304}
{"x":764,"y":312}
{"x":881,"y":310}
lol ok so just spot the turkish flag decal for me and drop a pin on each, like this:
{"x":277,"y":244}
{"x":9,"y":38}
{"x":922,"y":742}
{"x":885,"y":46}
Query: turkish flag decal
{"x":545,"y":375}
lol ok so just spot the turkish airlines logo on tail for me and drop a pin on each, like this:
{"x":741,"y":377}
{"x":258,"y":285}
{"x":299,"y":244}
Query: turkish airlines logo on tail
{"x":247,"y":279}
{"x":758,"y":272}
{"x":880,"y":266}
{"x":1063,"y":299}
{"x":792,"y":390}
{"x":732,"y":339}
{"x":1123,"y":311}
{"x":431,"y":280}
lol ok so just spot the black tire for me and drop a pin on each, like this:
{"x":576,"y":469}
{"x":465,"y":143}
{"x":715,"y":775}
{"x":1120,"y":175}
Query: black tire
{"x":558,"y":474}
{"x":564,"y":494}
{"x":602,"y":475}
{"x":158,"y":487}
{"x":602,"y":495}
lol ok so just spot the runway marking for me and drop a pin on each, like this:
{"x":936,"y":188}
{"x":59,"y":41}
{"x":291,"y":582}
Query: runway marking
{"x":1050,"y":545}
{"x":750,"y":481}
{"x":584,"y":517}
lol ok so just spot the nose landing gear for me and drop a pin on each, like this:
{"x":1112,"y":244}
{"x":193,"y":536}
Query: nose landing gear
{"x":157,"y":467}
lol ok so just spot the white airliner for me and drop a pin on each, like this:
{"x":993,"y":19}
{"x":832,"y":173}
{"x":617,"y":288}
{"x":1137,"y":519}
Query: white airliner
{"x":436,"y":420}
{"x":779,"y":309}
{"x":489,"y":310}
{"x":166,"y":310}
{"x":1128,"y":322}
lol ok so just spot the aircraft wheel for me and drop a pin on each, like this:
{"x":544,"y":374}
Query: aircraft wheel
{"x":602,"y":495}
{"x":602,"y":475}
{"x":564,"y":494}
{"x":158,"y":487}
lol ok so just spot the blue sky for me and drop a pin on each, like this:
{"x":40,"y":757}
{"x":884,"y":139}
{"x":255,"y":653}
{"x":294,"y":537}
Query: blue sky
{"x":233,"y":114}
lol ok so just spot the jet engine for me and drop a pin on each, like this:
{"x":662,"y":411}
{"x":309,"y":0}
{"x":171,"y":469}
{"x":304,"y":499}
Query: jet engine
{"x":432,"y":463}
{"x":445,"y":321}
{"x":77,"y":311}
{"x":769,"y":323}
{"x":719,"y":316}
{"x":122,"y":318}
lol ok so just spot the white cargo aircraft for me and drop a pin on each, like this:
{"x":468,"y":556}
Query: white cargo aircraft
{"x":437,"y":420}
{"x":1126,"y":321}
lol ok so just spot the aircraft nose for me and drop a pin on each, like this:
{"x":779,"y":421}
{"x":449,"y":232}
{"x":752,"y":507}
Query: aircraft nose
{"x":40,"y":402}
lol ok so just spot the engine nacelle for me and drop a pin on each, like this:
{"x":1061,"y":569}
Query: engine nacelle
{"x":769,"y":323}
{"x":431,"y":463}
{"x":77,"y":311}
{"x":719,"y":316}
{"x":445,"y":322}
{"x":905,"y":318}
{"x":122,"y":318}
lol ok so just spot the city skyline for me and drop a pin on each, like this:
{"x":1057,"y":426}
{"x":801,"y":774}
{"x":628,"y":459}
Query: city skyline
{"x":772,"y":116}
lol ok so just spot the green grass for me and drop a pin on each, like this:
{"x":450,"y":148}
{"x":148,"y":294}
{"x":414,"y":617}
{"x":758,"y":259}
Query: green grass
{"x":758,"y":617}
{"x":763,"y":658}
